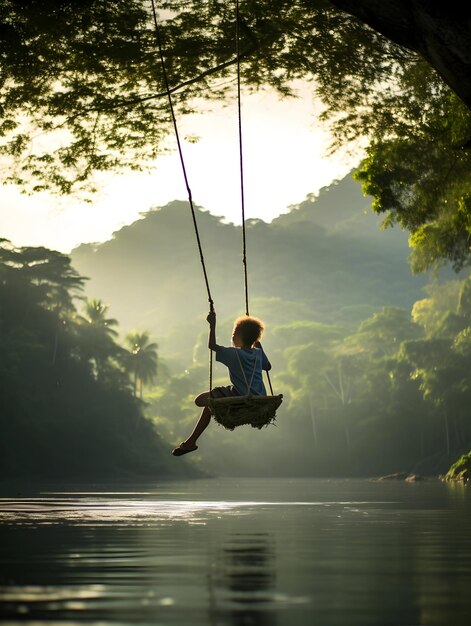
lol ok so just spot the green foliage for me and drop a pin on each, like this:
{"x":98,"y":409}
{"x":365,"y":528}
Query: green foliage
{"x":385,"y":398}
{"x":373,"y":391}
{"x":67,"y":67}
{"x":461,"y":469}
{"x":383,"y":333}
{"x":363,"y":394}
{"x":443,"y":299}
{"x":66,"y":403}
{"x":419,"y":175}
{"x":142,"y":359}
{"x":86,"y":77}
{"x":305,"y":332}
{"x":298,"y":270}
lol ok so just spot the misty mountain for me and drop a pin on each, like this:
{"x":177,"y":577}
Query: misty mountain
{"x":325,"y":260}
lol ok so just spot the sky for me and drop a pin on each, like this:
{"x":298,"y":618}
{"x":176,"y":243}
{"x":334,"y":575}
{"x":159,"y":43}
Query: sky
{"x":284,"y":148}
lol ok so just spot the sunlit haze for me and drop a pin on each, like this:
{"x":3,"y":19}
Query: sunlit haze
{"x":284,"y":160}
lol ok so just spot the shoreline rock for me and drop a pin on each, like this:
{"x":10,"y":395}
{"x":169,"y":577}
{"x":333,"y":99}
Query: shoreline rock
{"x":407,"y":477}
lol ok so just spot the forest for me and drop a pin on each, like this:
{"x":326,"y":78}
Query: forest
{"x":363,"y":351}
{"x":375,"y":380}
{"x":69,"y":404}
{"x":373,"y":361}
{"x":133,"y":136}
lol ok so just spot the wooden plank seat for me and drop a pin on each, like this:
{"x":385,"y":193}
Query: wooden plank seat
{"x":258,"y":411}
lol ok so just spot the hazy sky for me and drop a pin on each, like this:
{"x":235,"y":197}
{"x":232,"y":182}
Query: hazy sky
{"x":284,"y":160}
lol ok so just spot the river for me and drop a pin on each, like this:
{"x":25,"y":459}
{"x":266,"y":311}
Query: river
{"x":245,"y":552}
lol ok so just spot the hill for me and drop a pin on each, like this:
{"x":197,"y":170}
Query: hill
{"x":324,"y":260}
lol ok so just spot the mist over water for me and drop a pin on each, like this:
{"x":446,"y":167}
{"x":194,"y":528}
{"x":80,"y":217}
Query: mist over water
{"x":251,"y":551}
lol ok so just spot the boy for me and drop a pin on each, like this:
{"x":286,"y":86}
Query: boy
{"x":245,"y":361}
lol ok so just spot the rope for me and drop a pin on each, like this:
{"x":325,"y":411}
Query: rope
{"x":211,"y":373}
{"x":241,"y":164}
{"x":247,"y":384}
{"x":185,"y":176}
{"x":180,"y":152}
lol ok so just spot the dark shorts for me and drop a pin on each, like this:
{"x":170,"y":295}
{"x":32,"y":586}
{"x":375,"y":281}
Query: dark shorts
{"x":224,"y":392}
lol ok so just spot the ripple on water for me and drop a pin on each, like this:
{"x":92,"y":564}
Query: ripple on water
{"x":331,"y":554}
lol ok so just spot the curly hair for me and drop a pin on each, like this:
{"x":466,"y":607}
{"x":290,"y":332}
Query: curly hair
{"x":249,"y":329}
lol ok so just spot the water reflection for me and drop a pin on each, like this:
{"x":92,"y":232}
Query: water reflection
{"x":323,"y":553}
{"x":247,"y":583}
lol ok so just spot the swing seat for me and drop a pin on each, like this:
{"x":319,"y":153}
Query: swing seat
{"x":258,"y":411}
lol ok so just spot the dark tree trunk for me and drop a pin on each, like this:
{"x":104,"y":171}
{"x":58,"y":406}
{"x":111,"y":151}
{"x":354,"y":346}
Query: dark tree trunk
{"x":439,"y":31}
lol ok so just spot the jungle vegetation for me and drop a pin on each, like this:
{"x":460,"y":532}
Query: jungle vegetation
{"x":68,"y":405}
{"x":382,"y":374}
{"x":393,"y":77}
{"x":371,"y":359}
{"x":373,"y":362}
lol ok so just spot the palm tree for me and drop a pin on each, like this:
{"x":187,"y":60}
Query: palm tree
{"x":99,"y":333}
{"x":95,"y":315}
{"x":142,"y":359}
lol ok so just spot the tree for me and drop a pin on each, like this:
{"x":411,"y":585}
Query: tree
{"x":442,"y":299}
{"x":418,"y":174}
{"x":87,"y":74}
{"x":438,"y":31}
{"x":48,"y":273}
{"x":141,"y":359}
{"x":324,"y":378}
{"x":98,"y":335}
{"x":464,"y":299}
{"x":442,"y":369}
{"x":39,"y":279}
{"x":383,"y":333}
{"x":56,"y":416}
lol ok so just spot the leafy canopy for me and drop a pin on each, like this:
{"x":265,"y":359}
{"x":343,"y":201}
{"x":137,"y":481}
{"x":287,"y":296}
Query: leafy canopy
{"x":82,"y":92}
{"x":82,"y":87}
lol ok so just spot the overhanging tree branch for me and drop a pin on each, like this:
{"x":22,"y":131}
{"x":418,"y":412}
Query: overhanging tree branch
{"x":439,"y":31}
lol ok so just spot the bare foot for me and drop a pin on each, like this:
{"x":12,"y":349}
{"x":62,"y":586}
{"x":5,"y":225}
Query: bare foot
{"x":184,"y":448}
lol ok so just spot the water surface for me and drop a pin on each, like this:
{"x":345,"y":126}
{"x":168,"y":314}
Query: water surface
{"x":246,"y":552}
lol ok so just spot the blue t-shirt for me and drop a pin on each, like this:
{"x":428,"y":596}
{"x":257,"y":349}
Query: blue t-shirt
{"x":251,"y":359}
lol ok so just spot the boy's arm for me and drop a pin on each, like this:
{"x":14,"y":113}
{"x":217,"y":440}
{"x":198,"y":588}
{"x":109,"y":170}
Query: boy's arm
{"x":266,"y":365}
{"x":211,"y":319}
